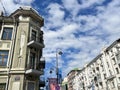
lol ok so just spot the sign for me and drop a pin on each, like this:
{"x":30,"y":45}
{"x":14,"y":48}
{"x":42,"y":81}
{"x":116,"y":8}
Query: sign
{"x":53,"y":84}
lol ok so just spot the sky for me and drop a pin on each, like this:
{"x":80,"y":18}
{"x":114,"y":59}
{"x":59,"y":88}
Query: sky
{"x":79,"y":28}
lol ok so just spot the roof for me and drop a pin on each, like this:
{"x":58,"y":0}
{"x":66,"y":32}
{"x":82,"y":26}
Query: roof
{"x":28,"y":11}
{"x":74,"y":70}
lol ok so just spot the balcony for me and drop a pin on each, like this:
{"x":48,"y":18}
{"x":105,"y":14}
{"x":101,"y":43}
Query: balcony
{"x":42,"y":82}
{"x":36,"y":42}
{"x":31,"y":70}
{"x":111,"y":77}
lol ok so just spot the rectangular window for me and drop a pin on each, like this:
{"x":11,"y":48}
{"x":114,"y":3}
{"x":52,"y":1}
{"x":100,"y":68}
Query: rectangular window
{"x":117,"y":71}
{"x":114,"y":61}
{"x":3,"y":57}
{"x":31,"y":86}
{"x":113,"y":85}
{"x":32,"y":60}
{"x":104,"y":76}
{"x":7,"y":33}
{"x":2,"y":86}
{"x":108,"y":64}
{"x":33,"y":37}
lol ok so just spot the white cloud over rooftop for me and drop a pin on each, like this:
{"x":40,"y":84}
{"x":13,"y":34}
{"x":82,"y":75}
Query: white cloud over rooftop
{"x":67,"y":29}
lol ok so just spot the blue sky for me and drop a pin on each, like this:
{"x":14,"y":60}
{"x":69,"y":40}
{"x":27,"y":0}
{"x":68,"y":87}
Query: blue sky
{"x":80,"y":28}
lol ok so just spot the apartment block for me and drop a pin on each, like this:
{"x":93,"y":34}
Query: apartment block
{"x":70,"y":78}
{"x":102,"y":73}
{"x":21,"y":46}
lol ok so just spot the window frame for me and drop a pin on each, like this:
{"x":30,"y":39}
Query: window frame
{"x":33,"y":30}
{"x":4,"y":87}
{"x":7,"y":60}
{"x":32,"y":60}
{"x":3,"y":28}
{"x":30,"y":82}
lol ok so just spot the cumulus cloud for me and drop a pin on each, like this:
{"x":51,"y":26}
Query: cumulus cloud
{"x":12,"y":5}
{"x":88,"y":34}
{"x":80,"y":36}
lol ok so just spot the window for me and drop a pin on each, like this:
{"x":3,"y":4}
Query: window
{"x":31,"y":86}
{"x":117,"y":71}
{"x":104,"y":76}
{"x":7,"y":33}
{"x":119,"y":79}
{"x":101,"y":84}
{"x":113,"y":85}
{"x":3,"y":57}
{"x":2,"y":86}
{"x":33,"y":37}
{"x":107,"y":64}
{"x":114,"y":61}
{"x":32,"y":60}
{"x":97,"y":68}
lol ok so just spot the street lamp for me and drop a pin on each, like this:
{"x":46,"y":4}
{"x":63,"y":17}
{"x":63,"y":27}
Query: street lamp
{"x":58,"y":52}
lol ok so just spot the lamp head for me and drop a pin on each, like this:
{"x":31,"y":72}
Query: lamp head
{"x":60,"y":52}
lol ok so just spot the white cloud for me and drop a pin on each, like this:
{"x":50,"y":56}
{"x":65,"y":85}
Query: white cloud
{"x":56,"y":15}
{"x":65,"y":30}
{"x":96,"y":32}
{"x":12,"y":5}
{"x":72,"y":5}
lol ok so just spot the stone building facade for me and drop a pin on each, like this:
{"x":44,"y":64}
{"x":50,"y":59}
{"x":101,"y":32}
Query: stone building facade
{"x":21,"y":46}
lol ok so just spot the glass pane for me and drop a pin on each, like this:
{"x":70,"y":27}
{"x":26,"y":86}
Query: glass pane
{"x":3,"y":58}
{"x":33,"y":35}
{"x":31,"y":86}
{"x":2,"y":86}
{"x":7,"y":33}
{"x":32,"y":60}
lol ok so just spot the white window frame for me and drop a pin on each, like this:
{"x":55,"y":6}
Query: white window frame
{"x":32,"y":29}
{"x":6,"y":26}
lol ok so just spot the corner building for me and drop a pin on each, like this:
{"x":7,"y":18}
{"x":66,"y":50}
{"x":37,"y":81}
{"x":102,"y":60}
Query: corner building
{"x":21,"y":45}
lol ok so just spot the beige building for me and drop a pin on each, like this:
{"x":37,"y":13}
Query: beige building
{"x":70,"y":78}
{"x":102,"y":73}
{"x":21,"y":45}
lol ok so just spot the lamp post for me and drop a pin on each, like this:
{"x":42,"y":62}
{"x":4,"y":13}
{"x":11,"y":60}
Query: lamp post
{"x":57,"y":69}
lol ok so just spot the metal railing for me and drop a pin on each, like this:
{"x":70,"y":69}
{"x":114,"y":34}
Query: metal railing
{"x":36,"y":38}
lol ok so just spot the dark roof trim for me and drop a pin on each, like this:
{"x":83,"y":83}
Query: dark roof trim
{"x":32,"y":13}
{"x":114,"y":43}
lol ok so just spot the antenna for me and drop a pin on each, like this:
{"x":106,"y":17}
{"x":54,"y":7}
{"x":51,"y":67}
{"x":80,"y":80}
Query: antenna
{"x":3,"y":7}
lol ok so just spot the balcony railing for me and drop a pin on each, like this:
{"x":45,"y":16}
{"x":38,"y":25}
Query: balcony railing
{"x":110,"y":77}
{"x":36,"y":42}
{"x":32,"y":70}
{"x":36,"y":68}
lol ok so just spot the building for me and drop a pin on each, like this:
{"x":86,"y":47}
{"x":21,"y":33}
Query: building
{"x":64,"y":85}
{"x":21,"y":45}
{"x":71,"y":75}
{"x":103,"y":72}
